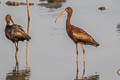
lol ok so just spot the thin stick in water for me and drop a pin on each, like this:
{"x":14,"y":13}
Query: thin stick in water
{"x":28,"y":29}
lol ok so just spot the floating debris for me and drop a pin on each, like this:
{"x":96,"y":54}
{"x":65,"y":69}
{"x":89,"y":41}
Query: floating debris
{"x":13,"y":3}
{"x":102,"y":8}
{"x":118,"y":28}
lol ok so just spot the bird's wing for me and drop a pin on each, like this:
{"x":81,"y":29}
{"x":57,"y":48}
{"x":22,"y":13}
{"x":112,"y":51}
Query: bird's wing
{"x":80,"y":35}
{"x":18,"y":27}
{"x":16,"y":31}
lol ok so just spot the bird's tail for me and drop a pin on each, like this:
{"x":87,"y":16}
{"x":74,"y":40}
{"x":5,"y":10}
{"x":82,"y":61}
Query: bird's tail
{"x":27,"y":37}
{"x":96,"y":44}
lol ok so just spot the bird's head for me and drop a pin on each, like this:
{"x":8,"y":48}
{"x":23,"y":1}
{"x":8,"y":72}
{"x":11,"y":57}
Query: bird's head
{"x":8,"y":18}
{"x":67,"y":10}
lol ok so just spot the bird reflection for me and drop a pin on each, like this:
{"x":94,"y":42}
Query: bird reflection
{"x":17,"y":74}
{"x":90,"y":77}
{"x":83,"y":73}
{"x":51,"y":3}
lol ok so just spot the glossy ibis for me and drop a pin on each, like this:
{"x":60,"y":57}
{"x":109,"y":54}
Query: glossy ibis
{"x":15,"y":33}
{"x":78,"y":35}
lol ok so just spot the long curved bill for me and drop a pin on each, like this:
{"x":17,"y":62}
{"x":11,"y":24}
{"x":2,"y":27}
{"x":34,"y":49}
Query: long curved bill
{"x":63,"y":12}
{"x":12,"y":21}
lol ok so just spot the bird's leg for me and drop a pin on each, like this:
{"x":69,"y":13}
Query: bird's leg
{"x":77,"y":70}
{"x":83,"y":62}
{"x":16,"y":54}
{"x":17,"y":68}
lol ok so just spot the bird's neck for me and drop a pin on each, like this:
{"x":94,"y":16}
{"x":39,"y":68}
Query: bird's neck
{"x":8,"y":22}
{"x":7,"y":25}
{"x":68,"y":19}
{"x":68,"y":25}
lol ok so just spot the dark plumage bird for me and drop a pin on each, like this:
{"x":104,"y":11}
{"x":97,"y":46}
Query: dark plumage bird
{"x":15,"y":33}
{"x":78,"y":35}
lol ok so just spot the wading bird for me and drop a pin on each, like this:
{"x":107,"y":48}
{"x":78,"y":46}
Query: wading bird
{"x":78,"y":35}
{"x":15,"y":33}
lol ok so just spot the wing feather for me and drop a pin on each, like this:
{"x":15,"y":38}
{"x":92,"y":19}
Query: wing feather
{"x":80,"y":35}
{"x":16,"y":31}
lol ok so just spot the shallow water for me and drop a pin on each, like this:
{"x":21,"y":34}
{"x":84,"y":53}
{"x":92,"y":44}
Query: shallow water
{"x":51,"y":52}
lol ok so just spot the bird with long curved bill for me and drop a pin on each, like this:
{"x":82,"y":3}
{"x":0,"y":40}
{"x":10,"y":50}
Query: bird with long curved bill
{"x":78,"y":35}
{"x":15,"y":33}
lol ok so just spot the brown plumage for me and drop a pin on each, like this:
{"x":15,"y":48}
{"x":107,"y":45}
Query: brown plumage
{"x":78,"y":35}
{"x":15,"y":33}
